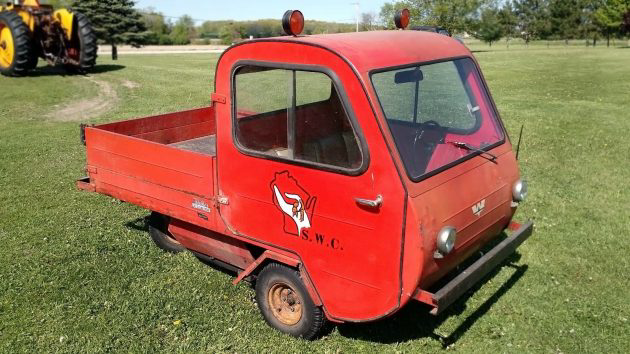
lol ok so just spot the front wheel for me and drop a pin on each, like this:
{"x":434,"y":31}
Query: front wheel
{"x":285,"y":303}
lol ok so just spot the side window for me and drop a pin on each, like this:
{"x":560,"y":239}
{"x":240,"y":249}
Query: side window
{"x":262,"y":108}
{"x":293,"y":114}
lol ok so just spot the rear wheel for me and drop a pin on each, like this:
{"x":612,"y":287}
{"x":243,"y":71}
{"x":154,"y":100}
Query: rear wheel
{"x":285,"y":304}
{"x":84,"y":47}
{"x":158,"y":229}
{"x":15,"y":45}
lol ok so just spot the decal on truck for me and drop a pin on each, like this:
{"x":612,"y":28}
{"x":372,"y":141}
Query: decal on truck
{"x":478,"y":208}
{"x":296,"y":205}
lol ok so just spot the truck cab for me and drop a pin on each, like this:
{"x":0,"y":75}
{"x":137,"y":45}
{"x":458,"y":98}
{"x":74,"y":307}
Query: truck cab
{"x":345,"y":174}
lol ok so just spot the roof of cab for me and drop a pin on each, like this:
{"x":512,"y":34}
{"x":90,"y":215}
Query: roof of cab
{"x":380,"y":49}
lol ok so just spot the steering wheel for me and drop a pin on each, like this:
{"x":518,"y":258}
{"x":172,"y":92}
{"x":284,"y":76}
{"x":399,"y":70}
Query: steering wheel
{"x":432,"y":123}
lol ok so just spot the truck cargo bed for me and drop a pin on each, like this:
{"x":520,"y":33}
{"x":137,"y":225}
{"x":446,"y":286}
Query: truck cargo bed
{"x":163,"y":163}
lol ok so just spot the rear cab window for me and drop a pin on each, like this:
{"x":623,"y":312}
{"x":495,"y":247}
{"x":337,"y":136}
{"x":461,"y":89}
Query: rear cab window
{"x":294,"y":115}
{"x":432,"y":109}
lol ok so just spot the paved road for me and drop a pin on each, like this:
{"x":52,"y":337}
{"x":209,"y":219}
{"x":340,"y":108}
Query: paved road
{"x":155,"y":49}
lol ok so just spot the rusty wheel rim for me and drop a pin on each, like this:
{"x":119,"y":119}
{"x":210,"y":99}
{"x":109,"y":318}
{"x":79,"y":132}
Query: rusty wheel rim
{"x":285,"y":303}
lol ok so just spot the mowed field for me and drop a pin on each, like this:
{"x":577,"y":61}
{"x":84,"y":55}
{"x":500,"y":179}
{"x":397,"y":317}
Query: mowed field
{"x":78,"y":272}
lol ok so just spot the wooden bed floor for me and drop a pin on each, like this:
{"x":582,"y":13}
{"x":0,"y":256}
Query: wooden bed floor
{"x":205,"y":145}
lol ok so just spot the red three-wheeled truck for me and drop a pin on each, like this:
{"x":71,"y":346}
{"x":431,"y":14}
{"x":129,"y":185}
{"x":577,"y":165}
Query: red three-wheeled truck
{"x":344,"y":175}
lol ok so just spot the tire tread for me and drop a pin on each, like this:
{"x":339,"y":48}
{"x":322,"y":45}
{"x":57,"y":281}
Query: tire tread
{"x":22,"y":42}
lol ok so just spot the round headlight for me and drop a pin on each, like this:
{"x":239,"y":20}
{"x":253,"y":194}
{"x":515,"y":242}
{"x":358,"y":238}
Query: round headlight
{"x":519,"y":191}
{"x":446,"y":240}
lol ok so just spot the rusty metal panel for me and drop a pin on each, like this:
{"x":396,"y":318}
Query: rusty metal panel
{"x":213,"y":244}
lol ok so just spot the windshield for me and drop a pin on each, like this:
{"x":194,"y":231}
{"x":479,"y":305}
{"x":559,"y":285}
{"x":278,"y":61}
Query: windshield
{"x":437,"y":113}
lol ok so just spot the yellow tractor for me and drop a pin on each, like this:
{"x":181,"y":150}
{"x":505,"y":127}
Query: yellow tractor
{"x":29,"y":31}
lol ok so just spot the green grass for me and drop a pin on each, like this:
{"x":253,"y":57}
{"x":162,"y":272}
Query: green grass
{"x":78,"y":273}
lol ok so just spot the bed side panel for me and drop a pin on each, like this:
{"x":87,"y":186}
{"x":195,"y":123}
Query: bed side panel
{"x":168,"y":128}
{"x":154,"y":176}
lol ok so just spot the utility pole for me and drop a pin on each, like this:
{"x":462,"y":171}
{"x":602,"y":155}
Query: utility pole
{"x":357,"y":9}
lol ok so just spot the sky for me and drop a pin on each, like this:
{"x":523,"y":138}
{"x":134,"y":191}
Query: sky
{"x":324,"y":10}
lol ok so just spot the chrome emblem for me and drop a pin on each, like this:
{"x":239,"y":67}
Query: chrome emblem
{"x":201,"y":205}
{"x":478,"y":208}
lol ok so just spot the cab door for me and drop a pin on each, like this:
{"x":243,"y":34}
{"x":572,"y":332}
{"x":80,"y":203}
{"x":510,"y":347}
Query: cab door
{"x":296,"y":173}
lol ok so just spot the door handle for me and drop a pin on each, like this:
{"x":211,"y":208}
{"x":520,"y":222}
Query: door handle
{"x":376,"y":203}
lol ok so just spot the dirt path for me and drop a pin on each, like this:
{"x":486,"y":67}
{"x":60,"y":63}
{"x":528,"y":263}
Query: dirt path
{"x":86,"y":109}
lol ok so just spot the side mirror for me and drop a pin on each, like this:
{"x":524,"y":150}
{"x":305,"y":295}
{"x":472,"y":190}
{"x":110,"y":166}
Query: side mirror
{"x":407,"y":76}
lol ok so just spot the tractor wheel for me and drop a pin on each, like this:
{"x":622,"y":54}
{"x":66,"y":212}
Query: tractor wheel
{"x":158,"y":229}
{"x":33,"y":61}
{"x":83,"y":47}
{"x":16,"y":49}
{"x":285,"y":304}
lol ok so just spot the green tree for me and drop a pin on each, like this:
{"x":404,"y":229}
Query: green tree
{"x":184,"y":30}
{"x":509,"y":22}
{"x":610,"y":17}
{"x":566,"y":18}
{"x":454,"y":15}
{"x":589,"y":27}
{"x":489,"y":28}
{"x":157,"y":26}
{"x":228,"y":34}
{"x":533,"y":19}
{"x":389,"y":9}
{"x":115,"y":22}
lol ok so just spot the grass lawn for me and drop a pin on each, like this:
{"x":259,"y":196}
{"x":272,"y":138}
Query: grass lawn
{"x":79,"y":273}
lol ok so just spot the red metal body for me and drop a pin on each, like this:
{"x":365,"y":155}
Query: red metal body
{"x":359,"y":263}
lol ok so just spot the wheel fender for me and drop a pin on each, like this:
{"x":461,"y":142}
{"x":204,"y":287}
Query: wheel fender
{"x":286,"y":260}
{"x":66,"y":19}
{"x":28,"y":19}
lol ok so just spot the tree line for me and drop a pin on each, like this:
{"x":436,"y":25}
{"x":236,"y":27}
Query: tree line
{"x":530,"y":20}
{"x":120,"y":22}
{"x":184,"y":30}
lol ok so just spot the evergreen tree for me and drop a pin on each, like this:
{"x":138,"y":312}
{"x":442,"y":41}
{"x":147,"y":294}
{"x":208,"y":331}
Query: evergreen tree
{"x":114,"y":21}
{"x":566,"y":18}
{"x":533,"y":19}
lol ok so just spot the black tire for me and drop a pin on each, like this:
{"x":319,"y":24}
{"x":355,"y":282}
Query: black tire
{"x":276,"y":277}
{"x":22,"y":45}
{"x":32,"y":62}
{"x":158,"y":229}
{"x":84,"y":41}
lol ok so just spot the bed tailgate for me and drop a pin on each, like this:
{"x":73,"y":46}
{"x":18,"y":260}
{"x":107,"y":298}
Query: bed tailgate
{"x":137,"y":161}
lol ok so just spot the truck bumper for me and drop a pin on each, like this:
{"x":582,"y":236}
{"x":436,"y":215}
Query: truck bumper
{"x":450,"y":292}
